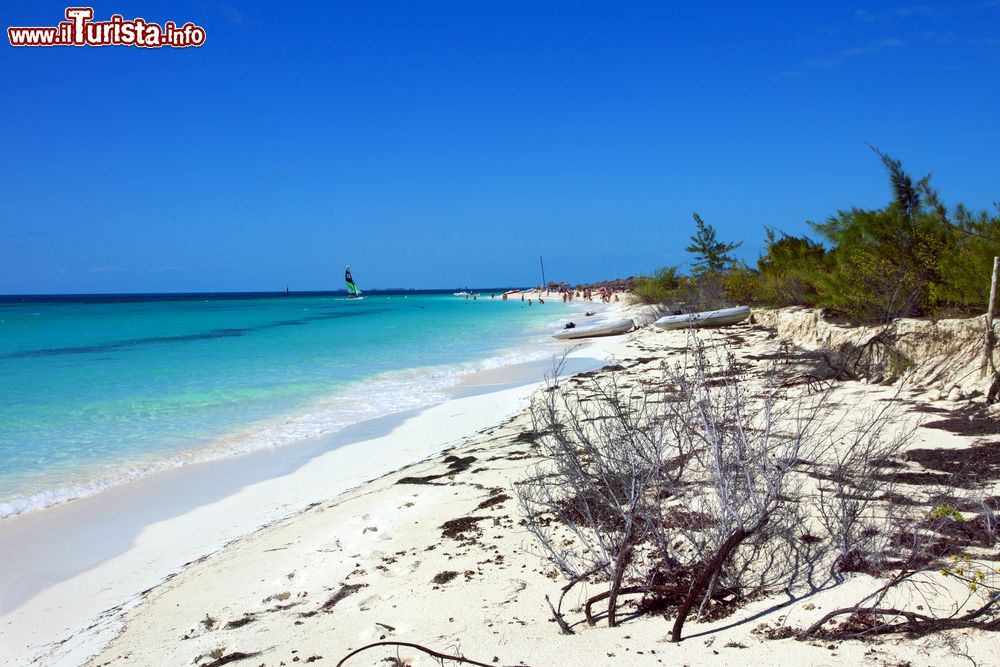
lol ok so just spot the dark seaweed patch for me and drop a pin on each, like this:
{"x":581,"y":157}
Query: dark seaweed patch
{"x":240,"y":622}
{"x":455,"y":465}
{"x":345,"y":591}
{"x":458,"y":529}
{"x":444,"y":577}
{"x":492,"y":501}
{"x":527,"y":436}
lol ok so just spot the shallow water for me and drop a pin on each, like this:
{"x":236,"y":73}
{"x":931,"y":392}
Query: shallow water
{"x":97,"y":390}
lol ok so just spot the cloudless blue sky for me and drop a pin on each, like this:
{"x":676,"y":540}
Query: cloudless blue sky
{"x":440,"y":144}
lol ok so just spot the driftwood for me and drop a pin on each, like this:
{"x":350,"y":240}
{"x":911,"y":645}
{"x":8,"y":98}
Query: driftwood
{"x":418,"y":647}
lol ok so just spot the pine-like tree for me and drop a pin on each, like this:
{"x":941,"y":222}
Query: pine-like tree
{"x":887,"y":263}
{"x":712,"y":255}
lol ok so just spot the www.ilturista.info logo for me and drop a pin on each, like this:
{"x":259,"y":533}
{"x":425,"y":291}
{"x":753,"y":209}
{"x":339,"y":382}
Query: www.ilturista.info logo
{"x":79,"y":29}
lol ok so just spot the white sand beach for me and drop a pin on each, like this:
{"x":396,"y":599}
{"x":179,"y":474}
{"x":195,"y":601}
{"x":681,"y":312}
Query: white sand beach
{"x":309,"y":566}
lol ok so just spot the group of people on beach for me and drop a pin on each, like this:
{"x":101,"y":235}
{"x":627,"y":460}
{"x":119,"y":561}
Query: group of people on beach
{"x":605,"y":294}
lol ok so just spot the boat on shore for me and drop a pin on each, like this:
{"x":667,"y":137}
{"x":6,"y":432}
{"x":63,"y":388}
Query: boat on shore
{"x":613,"y":328}
{"x":704,"y":319}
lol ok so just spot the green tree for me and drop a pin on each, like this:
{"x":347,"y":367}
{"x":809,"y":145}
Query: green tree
{"x":966,"y":269}
{"x":786,"y":272}
{"x":886,"y":263}
{"x":711,"y":255}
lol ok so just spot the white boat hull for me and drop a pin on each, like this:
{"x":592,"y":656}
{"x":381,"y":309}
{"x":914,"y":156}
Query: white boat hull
{"x":704,"y":319}
{"x":606,"y":329}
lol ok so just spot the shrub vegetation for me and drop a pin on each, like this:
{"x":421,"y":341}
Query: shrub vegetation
{"x":913,"y":257}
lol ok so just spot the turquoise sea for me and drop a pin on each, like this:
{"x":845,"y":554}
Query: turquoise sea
{"x":97,"y":390}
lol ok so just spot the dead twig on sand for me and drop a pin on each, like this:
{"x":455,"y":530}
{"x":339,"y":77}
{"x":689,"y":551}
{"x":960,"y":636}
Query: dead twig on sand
{"x":418,"y":647}
{"x":557,"y":610}
{"x":230,"y":657}
{"x":875,"y":614}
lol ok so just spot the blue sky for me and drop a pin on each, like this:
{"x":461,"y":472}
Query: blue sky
{"x":439,"y":144}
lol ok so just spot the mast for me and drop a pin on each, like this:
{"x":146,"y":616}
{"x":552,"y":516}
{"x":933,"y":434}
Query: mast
{"x":542,"y":262}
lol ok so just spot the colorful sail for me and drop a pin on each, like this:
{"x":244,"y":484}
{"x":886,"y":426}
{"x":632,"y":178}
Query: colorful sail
{"x":352,"y":288}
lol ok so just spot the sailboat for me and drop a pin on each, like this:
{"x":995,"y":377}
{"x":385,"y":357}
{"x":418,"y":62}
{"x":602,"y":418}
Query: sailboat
{"x":353,"y":291}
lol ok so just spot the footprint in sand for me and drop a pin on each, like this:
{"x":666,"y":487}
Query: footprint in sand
{"x":365,"y":604}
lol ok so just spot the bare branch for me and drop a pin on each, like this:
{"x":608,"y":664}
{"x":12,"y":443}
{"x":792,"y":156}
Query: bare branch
{"x":418,"y":647}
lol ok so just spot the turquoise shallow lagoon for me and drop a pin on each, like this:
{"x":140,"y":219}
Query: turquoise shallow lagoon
{"x":95,"y":391}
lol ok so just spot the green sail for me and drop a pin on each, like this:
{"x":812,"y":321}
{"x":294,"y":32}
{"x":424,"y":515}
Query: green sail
{"x":352,"y":288}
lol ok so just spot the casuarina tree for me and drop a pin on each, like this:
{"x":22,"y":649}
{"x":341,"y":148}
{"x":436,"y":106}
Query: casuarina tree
{"x":712,"y":255}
